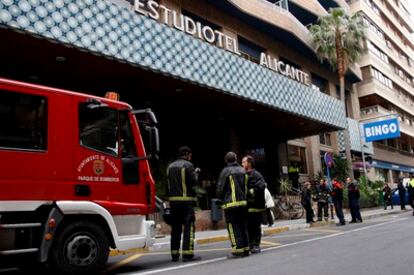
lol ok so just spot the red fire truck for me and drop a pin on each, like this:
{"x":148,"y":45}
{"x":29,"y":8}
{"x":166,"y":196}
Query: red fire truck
{"x":75,"y":180}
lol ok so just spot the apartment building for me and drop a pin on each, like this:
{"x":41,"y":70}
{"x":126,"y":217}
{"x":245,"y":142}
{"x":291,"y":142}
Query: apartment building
{"x":387,"y":88}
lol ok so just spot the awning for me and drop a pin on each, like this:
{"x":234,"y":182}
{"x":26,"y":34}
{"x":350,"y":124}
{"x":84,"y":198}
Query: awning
{"x":392,"y":166}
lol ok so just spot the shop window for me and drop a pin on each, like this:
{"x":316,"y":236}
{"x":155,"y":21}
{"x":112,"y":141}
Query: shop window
{"x":382,"y":174}
{"x":320,"y":84}
{"x":297,"y":158}
{"x":98,"y":128}
{"x":23,"y":120}
{"x":249,"y":50}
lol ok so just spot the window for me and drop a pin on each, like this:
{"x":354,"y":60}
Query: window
{"x":376,"y":51}
{"x":23,"y":120}
{"x":98,"y":128}
{"x":325,"y":138}
{"x":297,"y":157}
{"x":381,"y":78}
{"x":128,"y":148}
{"x":319,"y":83}
{"x":382,"y":174}
{"x":249,"y":50}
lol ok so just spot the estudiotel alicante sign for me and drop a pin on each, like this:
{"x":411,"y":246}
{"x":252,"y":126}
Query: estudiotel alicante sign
{"x":206,"y":33}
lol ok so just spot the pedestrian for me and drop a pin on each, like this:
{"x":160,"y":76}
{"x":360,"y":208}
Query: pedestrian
{"x":401,"y":192}
{"x":353,"y":200}
{"x":232,"y":191}
{"x":182,"y":177}
{"x":256,"y":204}
{"x":268,"y":217}
{"x":337,"y":198}
{"x":322,"y":197}
{"x":307,"y":202}
{"x":411,"y":193}
{"x":387,"y":196}
{"x":294,"y":175}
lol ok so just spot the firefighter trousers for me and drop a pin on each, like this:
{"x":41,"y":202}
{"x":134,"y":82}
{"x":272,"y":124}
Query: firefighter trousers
{"x":254,"y":228}
{"x":183,"y":224}
{"x":236,"y":219}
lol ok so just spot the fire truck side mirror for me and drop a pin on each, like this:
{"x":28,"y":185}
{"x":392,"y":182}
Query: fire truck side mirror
{"x":154,"y":141}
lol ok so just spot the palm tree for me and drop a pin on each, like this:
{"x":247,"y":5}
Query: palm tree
{"x":337,"y":38}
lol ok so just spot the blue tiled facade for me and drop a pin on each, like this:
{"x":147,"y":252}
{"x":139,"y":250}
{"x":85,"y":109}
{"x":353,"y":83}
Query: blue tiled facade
{"x":116,"y":32}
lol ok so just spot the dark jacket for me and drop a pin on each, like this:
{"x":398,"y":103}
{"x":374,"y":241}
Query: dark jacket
{"x":256,"y":192}
{"x":337,"y":191}
{"x":323,"y":193}
{"x":306,"y":199}
{"x":181,"y":180}
{"x":232,"y":186}
{"x":387,"y":192}
{"x":353,"y":192}
{"x":401,"y":188}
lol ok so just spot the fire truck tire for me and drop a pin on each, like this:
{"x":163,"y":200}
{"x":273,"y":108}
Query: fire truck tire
{"x":80,"y":248}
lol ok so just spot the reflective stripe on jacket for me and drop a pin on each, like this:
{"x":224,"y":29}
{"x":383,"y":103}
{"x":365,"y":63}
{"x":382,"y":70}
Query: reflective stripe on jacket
{"x":181,"y":180}
{"x":232,"y":186}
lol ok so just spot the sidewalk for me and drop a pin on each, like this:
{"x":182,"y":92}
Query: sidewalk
{"x":213,"y":236}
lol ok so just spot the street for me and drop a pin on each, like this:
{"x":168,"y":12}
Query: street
{"x":378,"y":246}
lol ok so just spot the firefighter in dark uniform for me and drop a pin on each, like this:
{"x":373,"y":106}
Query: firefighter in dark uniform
{"x":256,"y":204}
{"x":322,"y":197}
{"x":353,"y":200}
{"x":337,"y":198}
{"x":401,"y":192}
{"x":182,"y":177}
{"x":231,"y":190}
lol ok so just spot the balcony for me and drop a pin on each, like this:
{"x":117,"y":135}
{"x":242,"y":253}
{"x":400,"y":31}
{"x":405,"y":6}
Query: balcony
{"x":311,"y":6}
{"x":327,"y":4}
{"x":276,"y":15}
{"x":362,"y":6}
{"x":403,"y":14}
{"x":393,"y":155}
{"x":374,"y":87}
{"x":391,"y":17}
{"x":370,"y":59}
{"x":388,"y":50}
{"x":377,"y":111}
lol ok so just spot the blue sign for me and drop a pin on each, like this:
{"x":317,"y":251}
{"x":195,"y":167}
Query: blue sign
{"x":384,"y":129}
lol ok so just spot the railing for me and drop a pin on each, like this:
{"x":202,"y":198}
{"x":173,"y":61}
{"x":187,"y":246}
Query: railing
{"x":282,"y":6}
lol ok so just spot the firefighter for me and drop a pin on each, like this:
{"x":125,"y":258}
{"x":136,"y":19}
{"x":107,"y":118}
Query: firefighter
{"x":256,"y":205}
{"x":353,"y":200}
{"x":231,"y":190}
{"x":182,"y":177}
{"x":322,"y":198}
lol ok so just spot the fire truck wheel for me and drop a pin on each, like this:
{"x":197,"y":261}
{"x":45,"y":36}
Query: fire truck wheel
{"x":80,"y":248}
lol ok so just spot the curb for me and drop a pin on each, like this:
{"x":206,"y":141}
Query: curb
{"x":280,"y":229}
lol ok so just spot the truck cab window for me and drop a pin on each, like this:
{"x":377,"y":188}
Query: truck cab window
{"x":128,"y":148}
{"x":98,"y":128}
{"x":23,"y":120}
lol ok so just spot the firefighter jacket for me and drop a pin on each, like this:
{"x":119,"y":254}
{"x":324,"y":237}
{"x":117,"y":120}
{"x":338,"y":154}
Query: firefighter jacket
{"x":353,"y":192}
{"x":181,"y":180}
{"x":323,"y":194}
{"x":256,"y":192}
{"x":337,"y":191}
{"x":232,"y":186}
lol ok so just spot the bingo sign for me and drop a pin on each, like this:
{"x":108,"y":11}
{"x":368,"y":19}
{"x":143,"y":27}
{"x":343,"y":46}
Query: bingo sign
{"x":384,"y":129}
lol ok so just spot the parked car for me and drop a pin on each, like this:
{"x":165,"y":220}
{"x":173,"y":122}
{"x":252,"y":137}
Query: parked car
{"x":396,"y":197}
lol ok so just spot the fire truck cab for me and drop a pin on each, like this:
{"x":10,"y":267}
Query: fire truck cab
{"x":75,"y":180}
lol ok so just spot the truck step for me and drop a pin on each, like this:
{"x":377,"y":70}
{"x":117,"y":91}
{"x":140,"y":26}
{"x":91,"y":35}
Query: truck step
{"x":18,"y":251}
{"x":20,"y":225}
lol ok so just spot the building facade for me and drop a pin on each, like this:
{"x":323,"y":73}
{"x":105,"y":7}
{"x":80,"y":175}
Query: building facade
{"x":235,"y":75}
{"x":387,"y":88}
